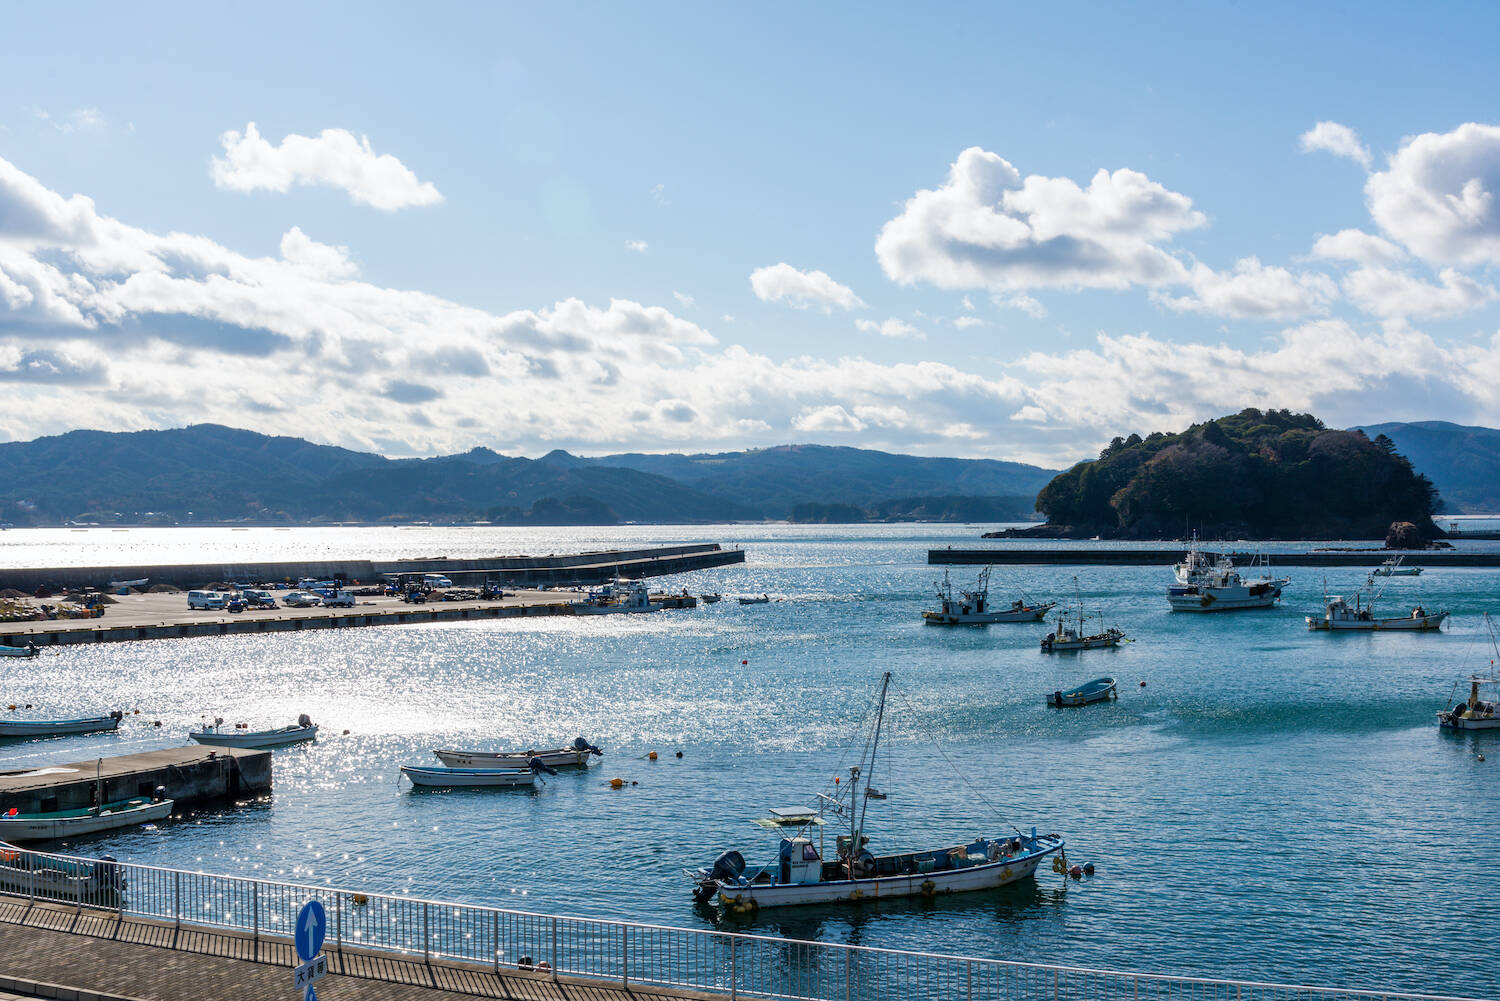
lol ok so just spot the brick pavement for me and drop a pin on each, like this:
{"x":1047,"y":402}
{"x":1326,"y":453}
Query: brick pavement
{"x":101,"y":955}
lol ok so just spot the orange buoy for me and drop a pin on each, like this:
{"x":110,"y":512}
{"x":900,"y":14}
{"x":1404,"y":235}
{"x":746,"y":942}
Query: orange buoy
{"x":652,"y":756}
{"x":616,"y":783}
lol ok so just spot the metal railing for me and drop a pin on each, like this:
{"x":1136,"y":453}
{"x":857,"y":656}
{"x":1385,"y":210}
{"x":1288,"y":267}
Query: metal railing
{"x":625,"y":953}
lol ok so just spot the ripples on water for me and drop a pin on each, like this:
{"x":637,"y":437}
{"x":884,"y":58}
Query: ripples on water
{"x":1274,"y":804}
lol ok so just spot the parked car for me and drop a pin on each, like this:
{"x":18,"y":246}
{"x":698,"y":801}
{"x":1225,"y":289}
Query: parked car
{"x":236,"y":605}
{"x":436,"y":580}
{"x":338,"y":599}
{"x":205,"y":600}
{"x":260,"y":598}
{"x":301,"y":599}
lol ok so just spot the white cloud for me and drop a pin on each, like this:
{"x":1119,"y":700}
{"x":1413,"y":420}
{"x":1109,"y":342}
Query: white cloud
{"x":965,"y":322}
{"x":77,"y":120}
{"x":1358,"y":246}
{"x":1020,"y":300}
{"x":334,"y":158}
{"x":987,"y":227}
{"x":1340,"y":140}
{"x":683,"y":298}
{"x":1253,"y":289}
{"x":802,"y":289}
{"x":830,"y":418}
{"x":891,"y":328}
{"x":1389,"y":293}
{"x":659,"y":194}
{"x":317,"y":259}
{"x":637,"y":246}
{"x":1437,"y":195}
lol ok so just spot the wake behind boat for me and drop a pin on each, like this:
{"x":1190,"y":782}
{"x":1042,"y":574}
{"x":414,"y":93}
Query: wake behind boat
{"x":972,"y":608}
{"x":576,"y":756}
{"x":802,"y":874}
{"x":240,"y":735}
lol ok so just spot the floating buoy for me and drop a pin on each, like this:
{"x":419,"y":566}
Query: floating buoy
{"x":835,"y":780}
{"x":346,"y":733}
{"x":1143,"y":684}
{"x":12,"y":706}
{"x":634,"y":782}
{"x":1088,"y":868}
{"x":136,"y":712}
{"x":679,"y":754}
{"x":616,"y":783}
{"x":1076,"y":872}
{"x":156,"y":722}
{"x":651,"y":756}
{"x":744,"y":662}
{"x":1481,"y":757}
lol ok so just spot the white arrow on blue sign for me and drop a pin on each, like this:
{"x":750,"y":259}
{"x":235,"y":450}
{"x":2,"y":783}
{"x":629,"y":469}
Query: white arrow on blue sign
{"x":312,"y":926}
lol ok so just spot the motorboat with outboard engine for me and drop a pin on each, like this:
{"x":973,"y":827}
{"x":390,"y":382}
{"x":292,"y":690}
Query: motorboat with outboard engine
{"x":577,"y":756}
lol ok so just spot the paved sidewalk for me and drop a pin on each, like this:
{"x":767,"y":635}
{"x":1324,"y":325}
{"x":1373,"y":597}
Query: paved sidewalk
{"x":101,"y":955}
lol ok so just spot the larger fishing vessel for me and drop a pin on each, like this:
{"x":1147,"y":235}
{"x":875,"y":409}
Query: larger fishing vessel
{"x":972,"y":608}
{"x":803,"y":872}
{"x":1222,"y":588}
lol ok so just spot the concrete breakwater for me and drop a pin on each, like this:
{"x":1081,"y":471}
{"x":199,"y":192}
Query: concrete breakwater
{"x":188,"y":774}
{"x":574,"y":568}
{"x":1371,"y":558}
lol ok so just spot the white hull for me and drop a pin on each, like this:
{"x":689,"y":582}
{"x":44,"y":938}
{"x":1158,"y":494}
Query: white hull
{"x":456,"y":778}
{"x":55,"y":727}
{"x":1212,"y":601}
{"x":919,"y":884}
{"x":48,"y":829}
{"x":1409,"y":623}
{"x":1471,"y":723}
{"x":17,"y":651}
{"x":512,"y":759}
{"x":254,"y":738}
{"x":1034,"y":614}
{"x":1404,"y":572}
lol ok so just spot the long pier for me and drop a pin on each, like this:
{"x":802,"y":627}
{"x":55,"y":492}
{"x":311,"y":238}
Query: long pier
{"x":574,"y":568}
{"x":187,"y":774}
{"x":1056,"y":556}
{"x":174,"y":935}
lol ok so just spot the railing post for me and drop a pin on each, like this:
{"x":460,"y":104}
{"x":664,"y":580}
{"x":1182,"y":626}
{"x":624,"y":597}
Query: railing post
{"x":625,"y":955}
{"x":495,"y":939}
{"x":848,"y":973}
{"x":255,"y":909}
{"x":554,"y":950}
{"x":1056,"y":976}
{"x":338,"y":922}
{"x":970,"y":965}
{"x":31,"y":877}
{"x":177,"y":897}
{"x":734,"y":979}
{"x":426,"y":937}
{"x":1135,"y":988}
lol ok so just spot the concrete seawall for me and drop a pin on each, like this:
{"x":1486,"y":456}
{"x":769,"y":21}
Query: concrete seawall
{"x":1167,"y":557}
{"x":189,"y":775}
{"x":583,"y":568}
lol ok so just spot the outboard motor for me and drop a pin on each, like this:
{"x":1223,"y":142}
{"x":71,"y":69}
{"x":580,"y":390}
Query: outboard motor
{"x":116,"y":715}
{"x":158,"y":794}
{"x":540,"y":767}
{"x":730,"y":865}
{"x":579,"y":744}
{"x":107,"y":873}
{"x":304,"y":721}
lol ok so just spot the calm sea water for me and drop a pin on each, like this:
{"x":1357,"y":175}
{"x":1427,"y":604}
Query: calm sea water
{"x":1273,"y":804}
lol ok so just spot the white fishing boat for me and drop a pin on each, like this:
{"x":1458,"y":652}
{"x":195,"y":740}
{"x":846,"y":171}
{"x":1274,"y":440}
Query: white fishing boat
{"x":577,"y":756}
{"x":1340,"y":615}
{"x":216,"y":734}
{"x":1194,"y":563}
{"x":138,"y":582}
{"x":1477,"y":712}
{"x":50,"y":877}
{"x":1222,"y":588}
{"x":802,"y":872}
{"x":59,"y":727}
{"x":764,"y":599}
{"x":1393,"y":568}
{"x":1073,"y":630}
{"x":712,"y":598}
{"x":972,"y":608}
{"x":51,"y":825}
{"x":468,"y":778}
{"x":621,"y":596}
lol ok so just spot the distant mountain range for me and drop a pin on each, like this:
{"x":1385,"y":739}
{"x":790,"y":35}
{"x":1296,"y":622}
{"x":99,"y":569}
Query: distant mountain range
{"x":1462,"y":462}
{"x":210,"y":473}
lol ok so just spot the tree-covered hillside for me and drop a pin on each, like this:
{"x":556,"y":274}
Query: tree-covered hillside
{"x":1254,"y":475}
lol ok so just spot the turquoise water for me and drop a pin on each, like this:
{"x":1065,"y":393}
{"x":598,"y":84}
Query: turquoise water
{"x":1273,"y":804}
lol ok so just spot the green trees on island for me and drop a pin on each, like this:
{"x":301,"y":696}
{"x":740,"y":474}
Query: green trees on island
{"x":1255,"y":474}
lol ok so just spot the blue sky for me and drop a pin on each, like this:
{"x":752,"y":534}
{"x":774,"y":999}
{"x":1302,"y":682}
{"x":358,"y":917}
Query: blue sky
{"x":694,"y":227}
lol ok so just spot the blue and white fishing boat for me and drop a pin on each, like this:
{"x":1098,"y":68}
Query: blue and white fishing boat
{"x":444,"y":777}
{"x":1098,"y":690}
{"x":802,"y":872}
{"x":53,"y":824}
{"x":1340,"y":615}
{"x":29,"y":650}
{"x":1393,"y":568}
{"x":577,"y":756}
{"x":59,"y":727}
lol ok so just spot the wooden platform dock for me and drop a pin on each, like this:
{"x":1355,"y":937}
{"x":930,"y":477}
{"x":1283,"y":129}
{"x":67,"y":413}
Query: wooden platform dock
{"x":188,"y":774}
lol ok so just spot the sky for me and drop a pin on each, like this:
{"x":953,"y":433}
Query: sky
{"x":1003,"y":231}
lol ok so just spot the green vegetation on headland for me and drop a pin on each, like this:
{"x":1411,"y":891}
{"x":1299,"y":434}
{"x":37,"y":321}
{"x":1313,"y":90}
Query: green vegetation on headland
{"x":1250,"y":475}
{"x":217,"y":475}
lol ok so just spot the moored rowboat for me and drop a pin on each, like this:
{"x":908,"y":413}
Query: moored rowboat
{"x":1098,"y":690}
{"x":576,"y":756}
{"x":16,"y":826}
{"x":59,"y":727}
{"x":216,"y":736}
{"x":455,"y":778}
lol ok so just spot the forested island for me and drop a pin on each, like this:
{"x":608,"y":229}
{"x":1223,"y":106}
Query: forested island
{"x":1251,"y":475}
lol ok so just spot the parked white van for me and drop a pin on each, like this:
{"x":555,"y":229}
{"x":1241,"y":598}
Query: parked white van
{"x":205,"y":599}
{"x":436,"y":580}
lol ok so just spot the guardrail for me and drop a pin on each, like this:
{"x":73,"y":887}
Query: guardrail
{"x":624,"y":953}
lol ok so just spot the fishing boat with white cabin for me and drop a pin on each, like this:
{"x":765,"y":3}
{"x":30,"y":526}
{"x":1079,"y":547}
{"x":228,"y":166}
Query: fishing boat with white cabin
{"x":1393,"y":568}
{"x":616,"y":597}
{"x":577,"y":756}
{"x":1340,"y":615}
{"x":1222,"y":588}
{"x":1481,"y":710}
{"x":216,"y":734}
{"x":1194,"y":563}
{"x":1073,"y":630}
{"x":972,"y":608}
{"x":803,"y":872}
{"x":29,"y":650}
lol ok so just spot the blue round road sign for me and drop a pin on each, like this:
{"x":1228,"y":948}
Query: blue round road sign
{"x":312,"y":926}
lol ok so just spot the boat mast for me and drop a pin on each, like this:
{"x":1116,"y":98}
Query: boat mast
{"x":864,"y":807}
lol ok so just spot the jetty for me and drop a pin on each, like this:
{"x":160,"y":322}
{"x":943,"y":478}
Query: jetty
{"x":1098,"y":556}
{"x":173,"y":935}
{"x":188,"y":774}
{"x":553,"y":569}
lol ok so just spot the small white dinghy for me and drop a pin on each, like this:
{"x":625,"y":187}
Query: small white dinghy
{"x":472,"y":778}
{"x":215,"y":735}
{"x":576,"y":756}
{"x":59,"y":727}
